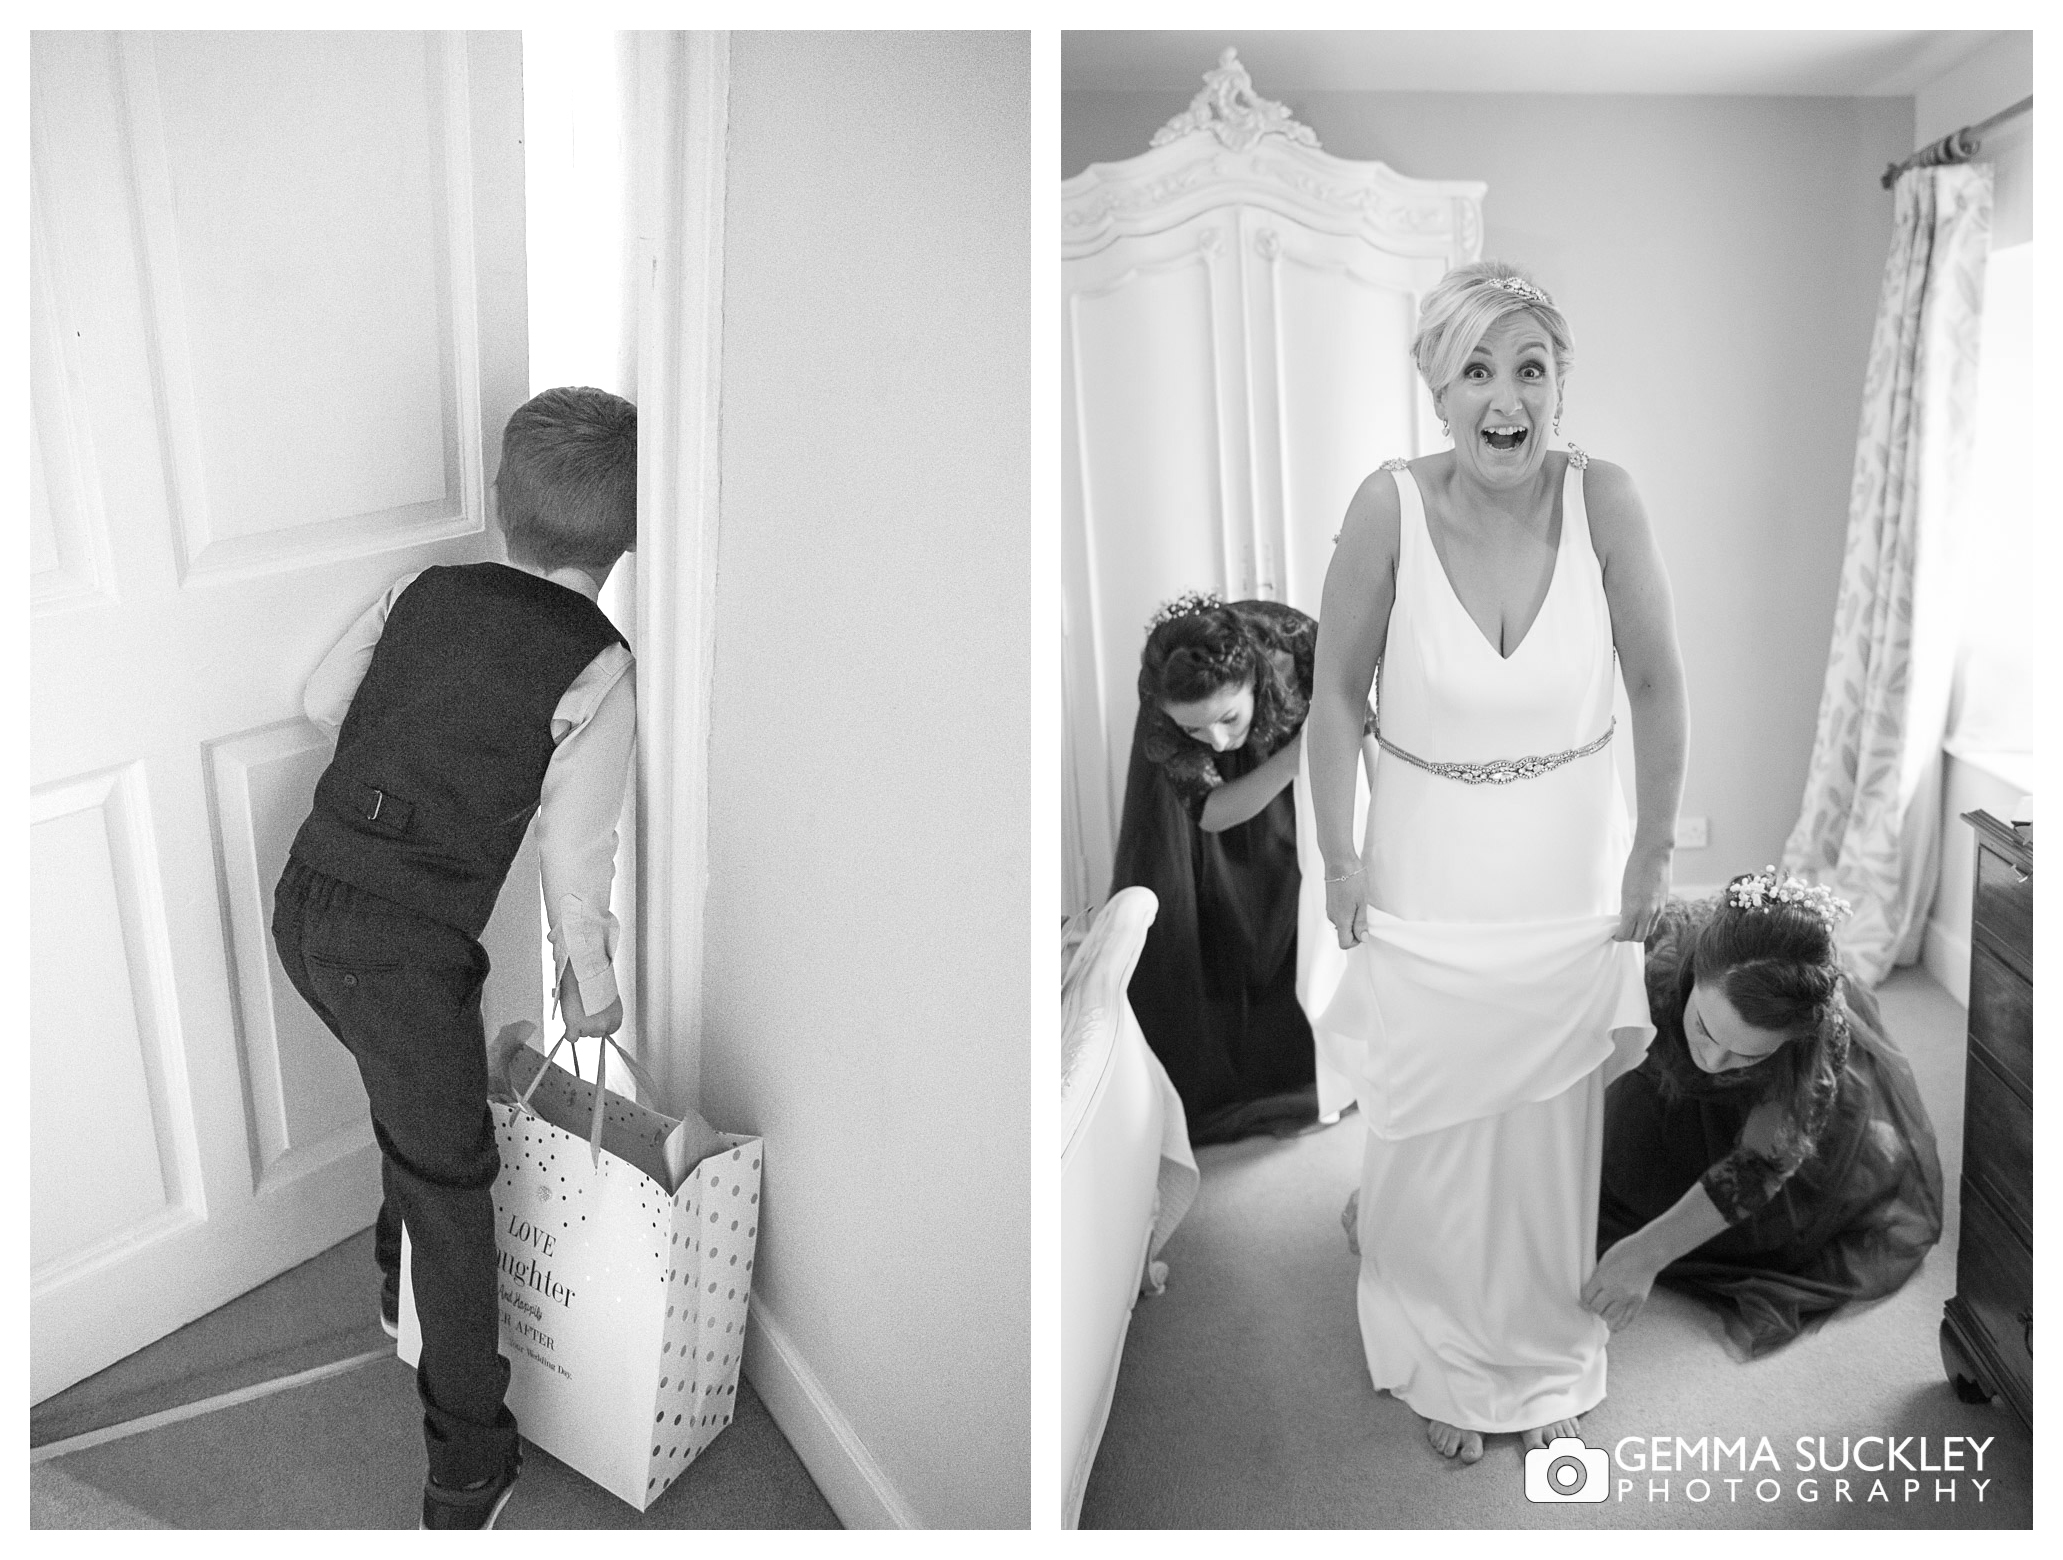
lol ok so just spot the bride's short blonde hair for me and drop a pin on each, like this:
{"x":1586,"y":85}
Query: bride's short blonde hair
{"x":1462,"y":307}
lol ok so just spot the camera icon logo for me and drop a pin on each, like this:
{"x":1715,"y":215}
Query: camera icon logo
{"x":1566,"y":1469}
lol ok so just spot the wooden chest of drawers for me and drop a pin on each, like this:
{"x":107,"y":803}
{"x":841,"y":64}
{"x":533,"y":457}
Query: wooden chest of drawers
{"x":1987,"y":1333}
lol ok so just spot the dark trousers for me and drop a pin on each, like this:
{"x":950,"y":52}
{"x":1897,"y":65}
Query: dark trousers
{"x":403,"y":994}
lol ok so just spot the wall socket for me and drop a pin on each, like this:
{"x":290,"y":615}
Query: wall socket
{"x":1692,"y":833}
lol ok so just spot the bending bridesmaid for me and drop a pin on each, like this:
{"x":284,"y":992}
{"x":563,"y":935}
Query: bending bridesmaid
{"x":1498,"y":589}
{"x":1210,"y":827}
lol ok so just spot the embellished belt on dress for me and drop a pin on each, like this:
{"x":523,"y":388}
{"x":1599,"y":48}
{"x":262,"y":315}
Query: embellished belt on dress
{"x":1498,"y":771}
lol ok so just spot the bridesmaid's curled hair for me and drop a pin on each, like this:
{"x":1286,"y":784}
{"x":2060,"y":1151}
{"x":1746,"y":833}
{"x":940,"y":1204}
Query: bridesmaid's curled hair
{"x":1192,"y":656}
{"x":1776,"y":964}
{"x":1779,"y":967}
{"x":1207,"y":646}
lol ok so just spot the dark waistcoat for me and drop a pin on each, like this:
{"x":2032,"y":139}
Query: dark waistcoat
{"x":441,"y":759}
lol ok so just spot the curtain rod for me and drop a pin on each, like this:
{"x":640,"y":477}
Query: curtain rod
{"x":1957,"y":146}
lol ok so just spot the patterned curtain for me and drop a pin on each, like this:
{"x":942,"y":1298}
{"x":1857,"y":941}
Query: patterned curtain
{"x":1870,"y":824}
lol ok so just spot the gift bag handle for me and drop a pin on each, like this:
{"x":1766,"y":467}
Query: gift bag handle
{"x":638,"y":1075}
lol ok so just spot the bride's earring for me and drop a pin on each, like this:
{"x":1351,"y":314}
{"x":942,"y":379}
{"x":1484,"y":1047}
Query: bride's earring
{"x":1557,"y":422}
{"x":1445,"y":433}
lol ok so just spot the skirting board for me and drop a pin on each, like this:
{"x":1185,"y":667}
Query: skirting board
{"x":1946,"y":956}
{"x":826,"y":1442}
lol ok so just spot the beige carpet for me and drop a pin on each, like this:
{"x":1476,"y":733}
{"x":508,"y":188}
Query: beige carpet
{"x":344,"y":1451}
{"x":57,"y":1500}
{"x":326,"y":1309}
{"x":1244,"y":1401}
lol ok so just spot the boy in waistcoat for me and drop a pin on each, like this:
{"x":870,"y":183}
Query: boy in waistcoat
{"x":465,"y":701}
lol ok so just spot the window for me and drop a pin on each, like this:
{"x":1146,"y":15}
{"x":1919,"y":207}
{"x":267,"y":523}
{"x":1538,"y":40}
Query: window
{"x":1991,"y":711}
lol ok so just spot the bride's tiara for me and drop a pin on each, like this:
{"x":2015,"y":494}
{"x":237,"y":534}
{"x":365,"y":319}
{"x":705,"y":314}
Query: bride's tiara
{"x":1770,"y":887}
{"x":1522,"y":287}
{"x":1189,"y":601}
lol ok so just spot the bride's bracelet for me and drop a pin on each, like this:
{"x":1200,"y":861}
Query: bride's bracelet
{"x":1344,"y":876}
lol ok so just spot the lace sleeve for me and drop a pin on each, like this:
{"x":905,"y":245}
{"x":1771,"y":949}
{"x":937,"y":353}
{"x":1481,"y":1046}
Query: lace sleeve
{"x":1742,"y":1184}
{"x":1194,"y":775}
{"x":1746,"y":1180}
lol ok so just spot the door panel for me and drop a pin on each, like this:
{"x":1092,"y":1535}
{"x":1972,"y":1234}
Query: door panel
{"x":108,"y":1136}
{"x":277,"y":323}
{"x":300,"y":1087}
{"x":68,"y":552}
{"x":325,"y":412}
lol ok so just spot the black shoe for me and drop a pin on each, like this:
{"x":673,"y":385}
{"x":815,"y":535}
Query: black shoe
{"x":474,"y":1507}
{"x":390,"y":1304}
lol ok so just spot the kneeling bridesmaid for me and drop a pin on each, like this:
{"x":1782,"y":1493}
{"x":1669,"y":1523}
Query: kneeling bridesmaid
{"x":1771,"y":1155}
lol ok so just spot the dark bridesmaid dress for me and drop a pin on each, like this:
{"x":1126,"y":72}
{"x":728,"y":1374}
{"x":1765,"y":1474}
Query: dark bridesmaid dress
{"x":1215,"y":990}
{"x":1845,"y":1210}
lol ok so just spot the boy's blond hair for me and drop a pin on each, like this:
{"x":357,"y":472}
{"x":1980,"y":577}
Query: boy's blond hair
{"x":568,"y":484}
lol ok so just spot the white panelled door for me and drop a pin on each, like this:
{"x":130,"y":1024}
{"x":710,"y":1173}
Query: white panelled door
{"x":277,"y":314}
{"x":1237,"y":317}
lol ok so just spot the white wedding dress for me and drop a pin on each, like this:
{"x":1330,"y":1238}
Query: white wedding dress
{"x":1479,"y":1023}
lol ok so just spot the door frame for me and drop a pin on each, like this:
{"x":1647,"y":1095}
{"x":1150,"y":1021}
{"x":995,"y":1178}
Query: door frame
{"x":679,"y":120}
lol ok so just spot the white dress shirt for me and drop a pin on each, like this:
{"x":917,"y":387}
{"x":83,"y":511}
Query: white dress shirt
{"x":594,"y":729}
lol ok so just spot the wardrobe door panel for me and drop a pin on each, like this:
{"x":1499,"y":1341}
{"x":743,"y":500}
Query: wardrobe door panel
{"x":1237,"y":315}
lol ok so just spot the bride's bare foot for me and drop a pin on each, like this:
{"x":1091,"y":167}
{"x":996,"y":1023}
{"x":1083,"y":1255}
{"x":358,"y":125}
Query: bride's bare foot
{"x":1448,"y":1441}
{"x":1536,"y":1439}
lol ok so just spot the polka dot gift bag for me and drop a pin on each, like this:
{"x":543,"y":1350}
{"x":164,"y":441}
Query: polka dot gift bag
{"x":625,"y":1242}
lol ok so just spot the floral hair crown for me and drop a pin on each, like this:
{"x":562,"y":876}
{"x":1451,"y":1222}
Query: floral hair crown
{"x":1189,"y":601}
{"x":1769,"y":888}
{"x":1522,"y":287}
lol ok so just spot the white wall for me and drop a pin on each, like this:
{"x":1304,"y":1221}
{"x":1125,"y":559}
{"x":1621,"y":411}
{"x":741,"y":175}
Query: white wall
{"x":1719,"y":261}
{"x":867,"y":988}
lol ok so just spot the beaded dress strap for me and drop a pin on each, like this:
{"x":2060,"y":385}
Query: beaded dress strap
{"x":1578,"y":461}
{"x":1394,"y":463}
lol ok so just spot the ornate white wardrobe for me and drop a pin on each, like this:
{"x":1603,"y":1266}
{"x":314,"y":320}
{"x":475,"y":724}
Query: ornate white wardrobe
{"x":1237,"y":317}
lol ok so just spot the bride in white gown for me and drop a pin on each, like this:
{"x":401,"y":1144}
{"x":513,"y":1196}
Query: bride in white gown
{"x":1495,"y":904}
